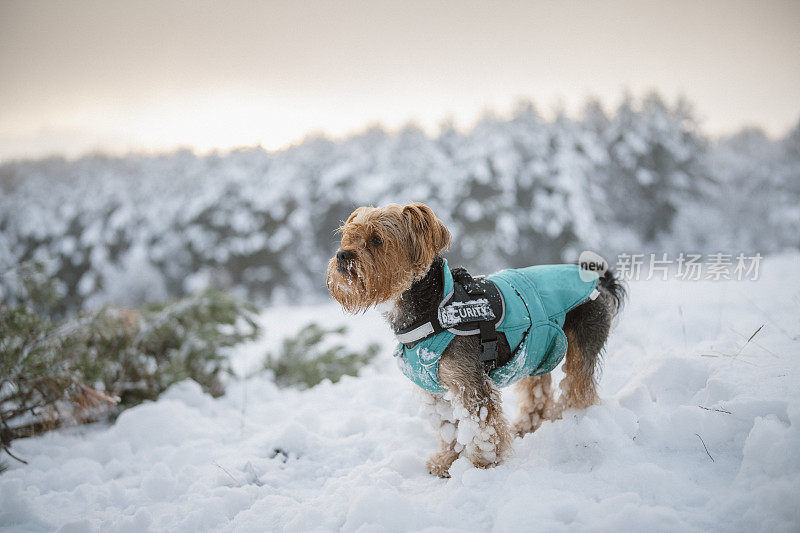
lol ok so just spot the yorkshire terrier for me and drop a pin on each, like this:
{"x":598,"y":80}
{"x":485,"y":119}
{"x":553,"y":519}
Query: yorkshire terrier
{"x":463,"y":337}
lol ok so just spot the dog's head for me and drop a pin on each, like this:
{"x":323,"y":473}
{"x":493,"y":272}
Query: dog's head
{"x":383,"y":250}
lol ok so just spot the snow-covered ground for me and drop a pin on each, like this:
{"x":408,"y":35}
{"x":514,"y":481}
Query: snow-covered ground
{"x":699,"y":430}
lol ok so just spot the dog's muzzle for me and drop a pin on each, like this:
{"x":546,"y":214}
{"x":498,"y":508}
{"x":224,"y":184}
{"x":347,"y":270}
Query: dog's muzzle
{"x":344,"y":261}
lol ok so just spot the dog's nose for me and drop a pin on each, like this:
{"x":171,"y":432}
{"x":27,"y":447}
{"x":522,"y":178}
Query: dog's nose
{"x":344,"y":255}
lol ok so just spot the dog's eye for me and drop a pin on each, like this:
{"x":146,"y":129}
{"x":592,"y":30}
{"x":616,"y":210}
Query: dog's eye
{"x":375,"y":240}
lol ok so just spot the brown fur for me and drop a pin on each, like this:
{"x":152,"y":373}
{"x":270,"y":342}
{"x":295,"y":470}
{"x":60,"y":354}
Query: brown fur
{"x":392,"y":247}
{"x":579,"y":388}
{"x":410,"y":238}
{"x":536,"y":403}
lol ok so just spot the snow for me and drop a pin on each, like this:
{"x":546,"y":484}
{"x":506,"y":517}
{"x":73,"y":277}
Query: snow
{"x":698,"y":430}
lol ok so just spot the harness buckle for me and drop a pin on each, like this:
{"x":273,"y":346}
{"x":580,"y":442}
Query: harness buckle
{"x":489,"y":355}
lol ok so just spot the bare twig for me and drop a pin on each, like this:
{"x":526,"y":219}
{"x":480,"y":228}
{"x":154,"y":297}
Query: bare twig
{"x":755,"y":343}
{"x":738,"y":353}
{"x":748,"y":340}
{"x":768,"y":316}
{"x":733,"y":357}
{"x":714,"y":409}
{"x":238,"y":483}
{"x":706,"y":447}
{"x":5,"y":449}
{"x":754,"y":334}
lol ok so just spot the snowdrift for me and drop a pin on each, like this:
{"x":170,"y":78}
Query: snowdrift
{"x":699,"y":430}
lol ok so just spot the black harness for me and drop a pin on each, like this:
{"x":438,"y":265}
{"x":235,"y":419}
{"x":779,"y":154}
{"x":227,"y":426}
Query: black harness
{"x":474,"y":307}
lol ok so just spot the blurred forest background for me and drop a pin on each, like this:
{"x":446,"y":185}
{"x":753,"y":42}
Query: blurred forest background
{"x":514,"y":190}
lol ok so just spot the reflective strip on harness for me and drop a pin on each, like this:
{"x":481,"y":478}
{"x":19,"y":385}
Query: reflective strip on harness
{"x":418,"y":333}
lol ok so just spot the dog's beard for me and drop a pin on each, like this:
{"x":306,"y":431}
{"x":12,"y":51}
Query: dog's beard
{"x":347,"y":286}
{"x":358,"y":287}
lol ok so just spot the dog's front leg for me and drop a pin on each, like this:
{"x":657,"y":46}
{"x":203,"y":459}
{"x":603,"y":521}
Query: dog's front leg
{"x":439,"y":413}
{"x":482,"y":432}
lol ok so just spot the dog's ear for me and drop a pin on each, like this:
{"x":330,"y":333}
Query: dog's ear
{"x":429,"y":234}
{"x":443,"y":238}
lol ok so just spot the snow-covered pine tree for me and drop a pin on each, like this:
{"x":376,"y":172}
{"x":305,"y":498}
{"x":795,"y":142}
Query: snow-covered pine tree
{"x":515,"y":191}
{"x":754,"y":179}
{"x":655,"y":156}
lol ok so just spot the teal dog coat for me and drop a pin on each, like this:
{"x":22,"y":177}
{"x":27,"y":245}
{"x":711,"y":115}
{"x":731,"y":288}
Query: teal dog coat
{"x":535,"y":302}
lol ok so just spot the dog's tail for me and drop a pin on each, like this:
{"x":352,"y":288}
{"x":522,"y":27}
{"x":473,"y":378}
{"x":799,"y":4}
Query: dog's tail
{"x":615,"y":288}
{"x":612,"y":287}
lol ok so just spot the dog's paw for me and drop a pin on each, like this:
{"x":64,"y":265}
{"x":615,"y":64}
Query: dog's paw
{"x":522,"y":427}
{"x":528,"y":424}
{"x":439,"y":463}
{"x":485,"y":460}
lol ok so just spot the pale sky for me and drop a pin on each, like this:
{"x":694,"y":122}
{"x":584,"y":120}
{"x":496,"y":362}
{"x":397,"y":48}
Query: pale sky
{"x":77,"y":75}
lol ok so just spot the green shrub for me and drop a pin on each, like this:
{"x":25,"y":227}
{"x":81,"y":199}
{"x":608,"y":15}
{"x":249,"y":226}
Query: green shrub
{"x":77,"y":369}
{"x":309,"y":357}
